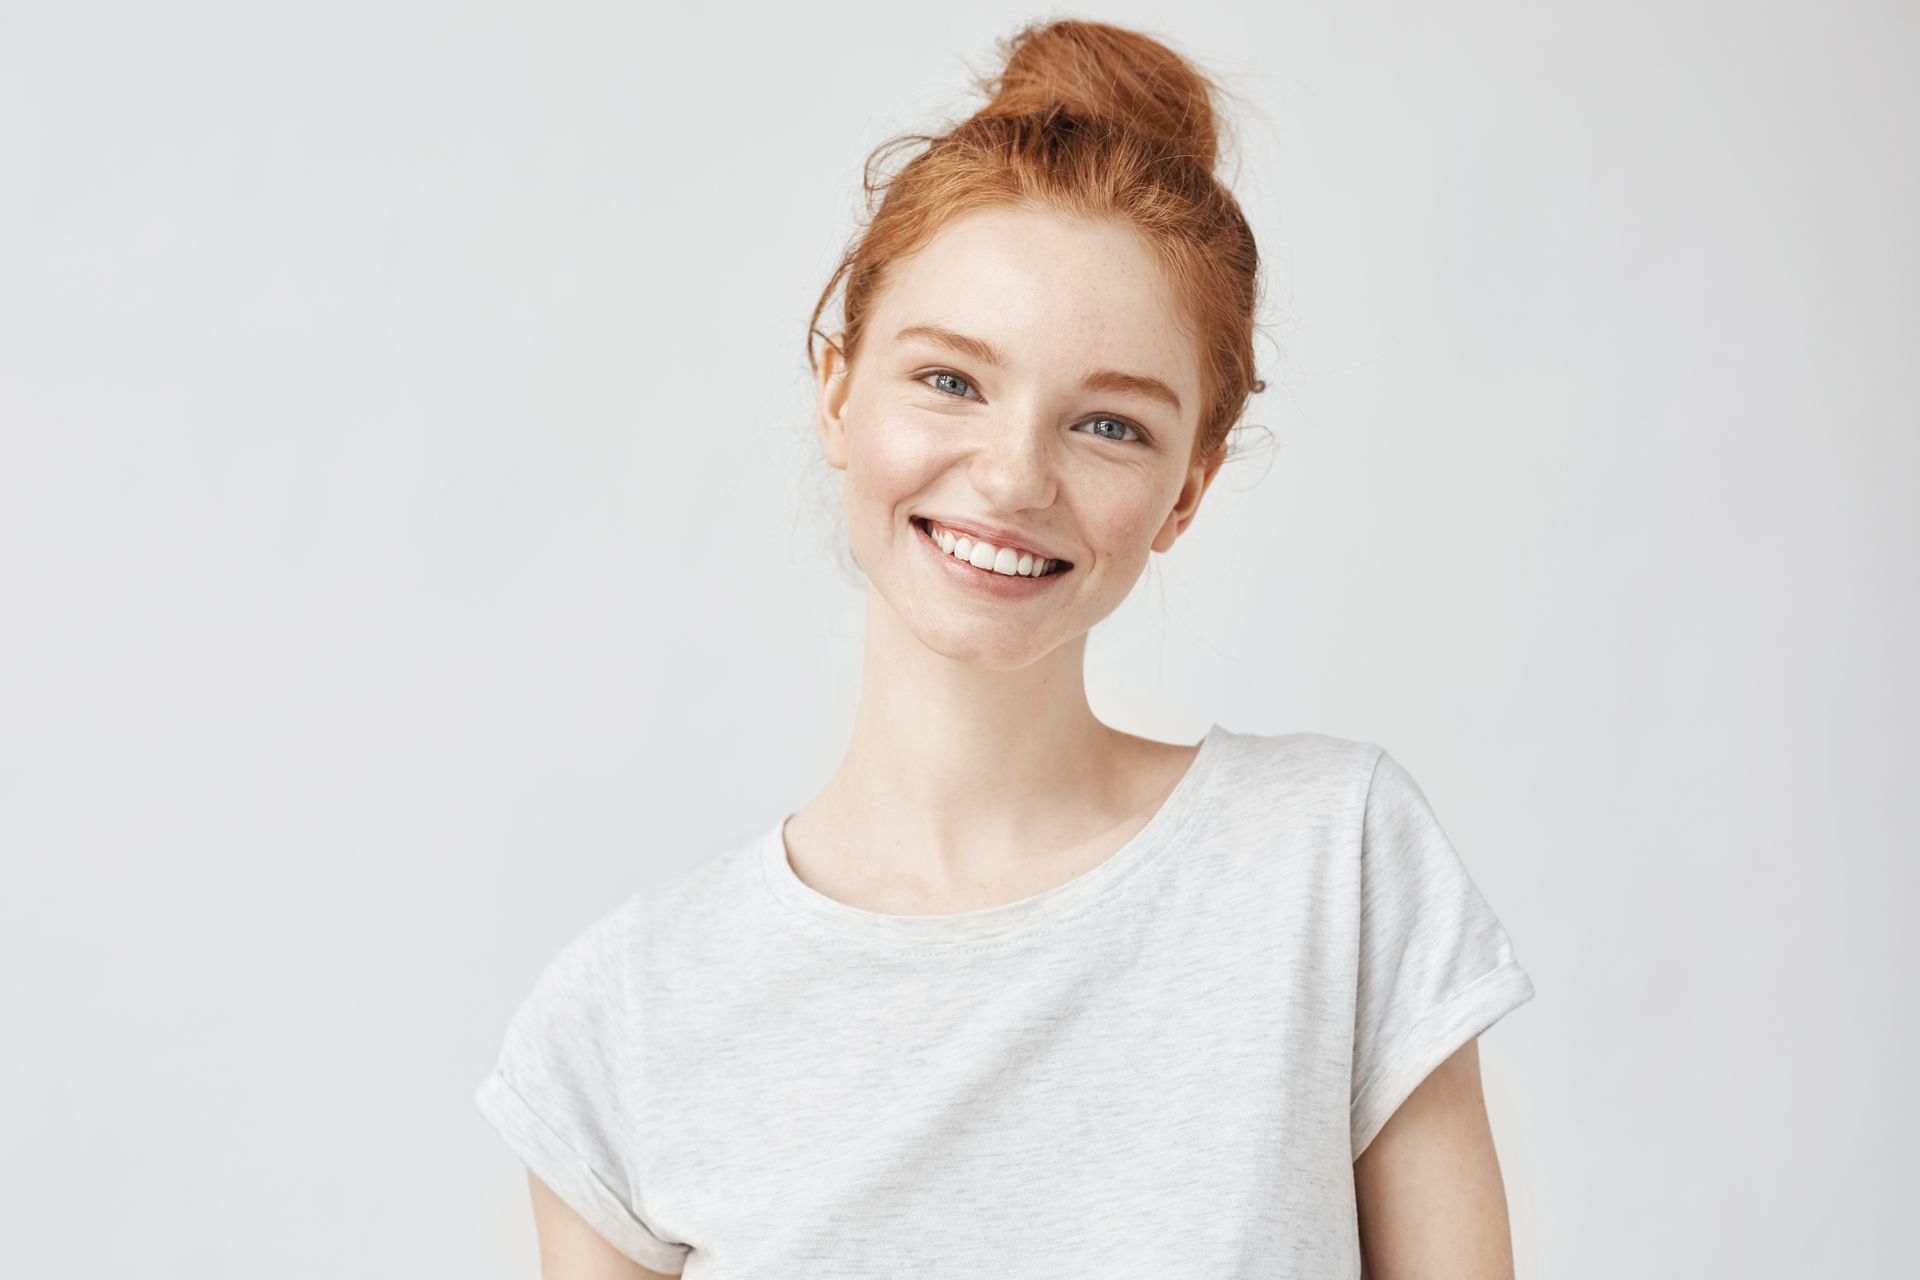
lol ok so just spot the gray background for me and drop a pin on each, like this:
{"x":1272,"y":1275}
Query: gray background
{"x":413,"y":538}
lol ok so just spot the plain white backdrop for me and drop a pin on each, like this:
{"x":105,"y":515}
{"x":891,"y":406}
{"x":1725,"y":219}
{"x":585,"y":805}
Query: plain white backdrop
{"x":413,"y":538}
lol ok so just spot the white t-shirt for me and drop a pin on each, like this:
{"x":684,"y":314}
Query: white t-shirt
{"x":1165,"y":1066}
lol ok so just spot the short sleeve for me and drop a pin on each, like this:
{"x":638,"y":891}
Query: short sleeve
{"x":560,"y":1092}
{"x":1436,"y":967}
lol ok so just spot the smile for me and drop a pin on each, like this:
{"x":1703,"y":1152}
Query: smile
{"x":995,"y":569}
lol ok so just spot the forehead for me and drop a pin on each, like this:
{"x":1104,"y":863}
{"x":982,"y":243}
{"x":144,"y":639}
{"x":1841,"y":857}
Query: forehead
{"x":1048,"y":290}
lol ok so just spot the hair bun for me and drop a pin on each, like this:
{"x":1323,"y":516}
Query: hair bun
{"x":1093,"y":70}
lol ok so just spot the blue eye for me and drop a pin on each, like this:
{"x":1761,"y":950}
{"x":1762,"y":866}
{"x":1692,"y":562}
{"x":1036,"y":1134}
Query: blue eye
{"x":1139,"y":433}
{"x":1123,"y":424}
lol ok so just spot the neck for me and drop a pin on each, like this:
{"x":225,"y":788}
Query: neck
{"x":957,"y":772}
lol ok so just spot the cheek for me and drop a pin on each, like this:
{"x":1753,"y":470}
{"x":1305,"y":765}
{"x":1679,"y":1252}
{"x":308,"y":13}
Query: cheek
{"x":889,"y":461}
{"x":1120,"y":526}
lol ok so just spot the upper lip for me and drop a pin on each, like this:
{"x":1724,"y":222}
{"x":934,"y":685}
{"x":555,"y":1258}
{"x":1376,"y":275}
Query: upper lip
{"x":995,"y":535}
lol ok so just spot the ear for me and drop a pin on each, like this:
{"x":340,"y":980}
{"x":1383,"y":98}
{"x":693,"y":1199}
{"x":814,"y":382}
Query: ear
{"x":1187,"y":505}
{"x":830,"y":409}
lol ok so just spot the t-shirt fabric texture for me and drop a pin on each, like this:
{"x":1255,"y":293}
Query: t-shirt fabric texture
{"x":1164,"y":1066}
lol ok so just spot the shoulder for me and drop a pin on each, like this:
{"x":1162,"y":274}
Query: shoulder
{"x":708,"y":885}
{"x":709,"y":908}
{"x":703,"y":907}
{"x":1303,"y":767}
{"x":591,"y":964}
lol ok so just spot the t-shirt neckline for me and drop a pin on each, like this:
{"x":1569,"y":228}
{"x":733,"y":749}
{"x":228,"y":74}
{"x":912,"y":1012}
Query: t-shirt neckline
{"x":1005,"y":920}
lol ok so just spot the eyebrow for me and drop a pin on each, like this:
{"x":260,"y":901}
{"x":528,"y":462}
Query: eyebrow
{"x":1099,"y":380}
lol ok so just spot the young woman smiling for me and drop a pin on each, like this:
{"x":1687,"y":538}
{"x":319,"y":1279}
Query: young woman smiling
{"x":1018,"y":992}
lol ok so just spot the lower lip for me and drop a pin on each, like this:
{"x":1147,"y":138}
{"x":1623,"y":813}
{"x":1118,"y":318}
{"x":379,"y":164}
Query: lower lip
{"x":1005,"y":585}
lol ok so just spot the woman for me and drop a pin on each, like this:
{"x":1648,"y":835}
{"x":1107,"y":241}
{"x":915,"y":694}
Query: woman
{"x":1016,"y":992}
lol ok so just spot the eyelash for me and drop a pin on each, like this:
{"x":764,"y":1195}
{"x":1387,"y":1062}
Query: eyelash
{"x":1109,"y":417}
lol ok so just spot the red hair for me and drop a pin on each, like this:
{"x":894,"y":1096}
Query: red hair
{"x":1089,"y":120}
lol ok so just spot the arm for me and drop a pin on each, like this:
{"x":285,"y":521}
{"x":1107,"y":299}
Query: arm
{"x":1430,"y":1199}
{"x":572,"y":1250}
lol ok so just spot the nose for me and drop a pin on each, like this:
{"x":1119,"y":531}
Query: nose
{"x":1013,"y":466}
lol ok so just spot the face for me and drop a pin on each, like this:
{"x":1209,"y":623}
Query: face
{"x":1025,"y":377}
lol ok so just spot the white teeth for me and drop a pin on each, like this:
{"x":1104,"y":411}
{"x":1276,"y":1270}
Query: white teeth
{"x":982,"y":555}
